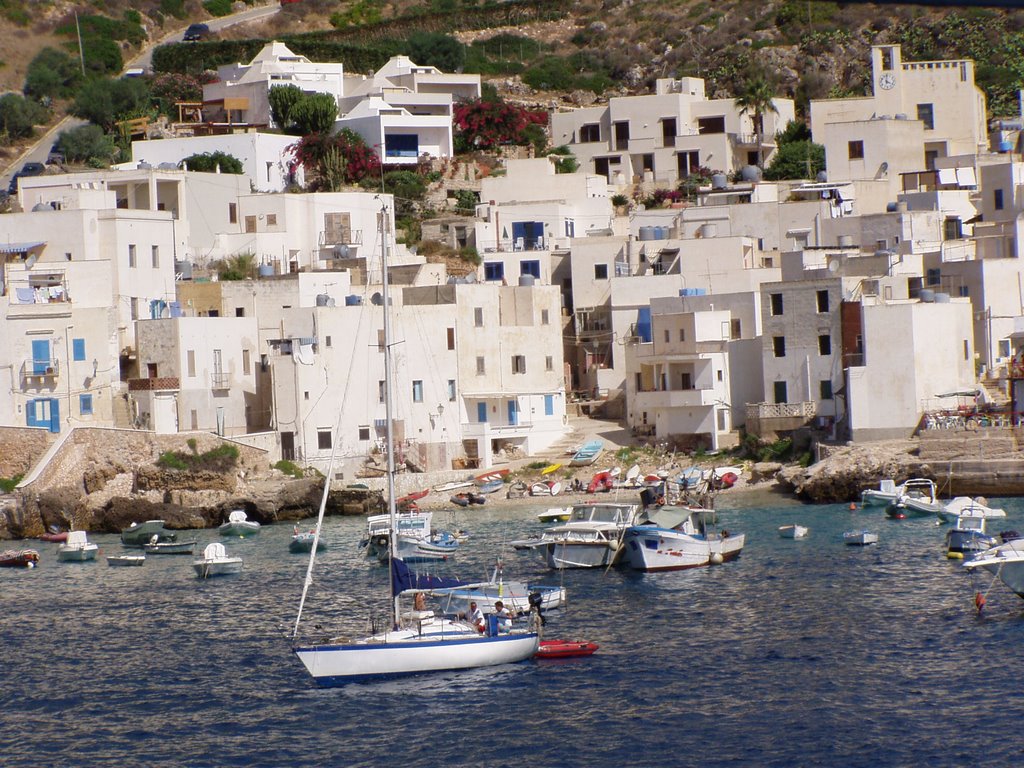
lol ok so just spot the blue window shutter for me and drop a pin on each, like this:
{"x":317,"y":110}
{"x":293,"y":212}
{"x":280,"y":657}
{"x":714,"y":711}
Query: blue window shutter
{"x":54,"y":415}
{"x":481,"y":412}
{"x":30,"y":413}
{"x":85,"y":405}
{"x":40,"y":356}
{"x":78,"y":349}
{"x":549,"y":405}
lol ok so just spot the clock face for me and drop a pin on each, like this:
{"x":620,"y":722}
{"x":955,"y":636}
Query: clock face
{"x":887,"y":81}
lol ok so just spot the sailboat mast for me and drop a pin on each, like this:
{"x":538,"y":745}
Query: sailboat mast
{"x":389,"y":408}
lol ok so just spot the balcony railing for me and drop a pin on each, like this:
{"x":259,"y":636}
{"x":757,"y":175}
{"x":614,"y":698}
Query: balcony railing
{"x":154,"y":384}
{"x":40,"y":371}
{"x":804,"y":410}
{"x":220,"y":380}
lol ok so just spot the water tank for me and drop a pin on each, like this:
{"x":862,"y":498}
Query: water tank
{"x":942,"y":298}
{"x":353,"y":300}
{"x":890,"y":207}
{"x":266,"y":270}
{"x":719,"y":181}
{"x":926,"y":295}
{"x":341,"y":251}
{"x":900,"y":116}
{"x":1005,"y":146}
{"x":643,"y":324}
{"x":527,"y":280}
{"x":750,"y":173}
{"x":661,"y":233}
{"x":183,"y":268}
{"x":822,"y":177}
{"x":646,"y":233}
{"x":708,"y":229}
{"x":845,"y":241}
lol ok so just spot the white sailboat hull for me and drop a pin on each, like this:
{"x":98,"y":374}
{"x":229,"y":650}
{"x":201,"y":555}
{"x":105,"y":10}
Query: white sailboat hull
{"x":408,"y":652}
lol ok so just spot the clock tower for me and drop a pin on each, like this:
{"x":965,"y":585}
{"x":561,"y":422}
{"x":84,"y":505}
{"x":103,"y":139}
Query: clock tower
{"x":886,"y":77}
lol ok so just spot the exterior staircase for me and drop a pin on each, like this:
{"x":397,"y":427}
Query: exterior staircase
{"x":995,"y":391}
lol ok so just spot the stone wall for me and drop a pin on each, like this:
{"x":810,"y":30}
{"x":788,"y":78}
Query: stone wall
{"x":21,"y":448}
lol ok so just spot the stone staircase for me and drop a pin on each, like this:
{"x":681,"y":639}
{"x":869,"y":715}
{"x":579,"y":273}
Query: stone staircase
{"x":995,"y":391}
{"x":122,"y":412}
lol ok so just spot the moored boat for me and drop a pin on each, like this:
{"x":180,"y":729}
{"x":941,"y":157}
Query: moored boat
{"x":415,"y":525}
{"x":77,"y":548}
{"x":793,"y":531}
{"x":302,"y":541}
{"x":860,"y":538}
{"x":918,"y":499}
{"x":565,"y":649}
{"x":886,"y":493}
{"x":238,"y":524}
{"x":54,"y":536}
{"x":968,"y":535}
{"x":140,"y":534}
{"x":125,"y":560}
{"x":1005,"y":562}
{"x":555,"y":515}
{"x":169,"y":547}
{"x":216,"y":562}
{"x":19,"y":558}
{"x":591,"y":538}
{"x":673,"y":538}
{"x":965,"y":505}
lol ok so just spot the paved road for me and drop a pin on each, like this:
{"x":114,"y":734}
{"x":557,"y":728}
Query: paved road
{"x":38,"y":151}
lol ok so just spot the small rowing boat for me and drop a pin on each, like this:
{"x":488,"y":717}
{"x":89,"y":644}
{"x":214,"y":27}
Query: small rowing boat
{"x":564,"y":649}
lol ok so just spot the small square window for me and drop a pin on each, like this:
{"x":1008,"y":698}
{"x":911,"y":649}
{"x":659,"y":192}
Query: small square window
{"x":85,"y":405}
{"x":600,"y":271}
{"x":323,"y":439}
{"x":271,"y":219}
{"x":364,"y":433}
{"x":856,"y":150}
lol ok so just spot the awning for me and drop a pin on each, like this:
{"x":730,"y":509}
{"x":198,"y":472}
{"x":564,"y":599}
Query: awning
{"x":961,"y":393}
{"x":20,"y":247}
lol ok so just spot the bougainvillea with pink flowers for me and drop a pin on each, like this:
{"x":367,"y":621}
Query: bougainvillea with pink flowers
{"x":481,"y":124}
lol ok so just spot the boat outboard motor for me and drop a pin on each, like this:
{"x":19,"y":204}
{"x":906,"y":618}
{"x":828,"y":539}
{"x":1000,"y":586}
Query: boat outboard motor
{"x":536,"y":600}
{"x":648,"y":497}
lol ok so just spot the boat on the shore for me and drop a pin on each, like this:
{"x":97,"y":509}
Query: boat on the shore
{"x":587,"y":453}
{"x":77,"y":548}
{"x":466,"y":498}
{"x":140,"y":534}
{"x":602,"y":482}
{"x":54,"y":536}
{"x":19,"y":558}
{"x":216,"y":562}
{"x":408,"y":502}
{"x":546,"y":488}
{"x":454,"y":485}
{"x":490,"y":486}
{"x":517,"y":490}
{"x":238,"y":524}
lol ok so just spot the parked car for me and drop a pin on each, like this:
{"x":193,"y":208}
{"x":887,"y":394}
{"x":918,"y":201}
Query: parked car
{"x":28,"y":169}
{"x":55,"y":156}
{"x":196,"y":32}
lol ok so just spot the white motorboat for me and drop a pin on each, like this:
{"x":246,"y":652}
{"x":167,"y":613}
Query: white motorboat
{"x":1005,"y":562}
{"x":592,"y":537}
{"x":918,"y":499}
{"x":673,"y":538}
{"x":793,"y":531}
{"x":441,"y":545}
{"x":410,"y":525}
{"x":238,"y":524}
{"x":968,"y":535}
{"x":886,"y":493}
{"x":555,"y":515}
{"x":965,"y":505}
{"x":77,"y":548}
{"x":126,"y":560}
{"x":416,"y":641}
{"x":860,"y":538}
{"x":216,"y":562}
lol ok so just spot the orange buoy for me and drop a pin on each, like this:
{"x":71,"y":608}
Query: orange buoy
{"x":853,"y":506}
{"x":979,"y":601}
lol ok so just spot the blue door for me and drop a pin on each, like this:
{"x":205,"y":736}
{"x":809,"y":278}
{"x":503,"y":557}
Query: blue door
{"x":513,"y":413}
{"x":54,"y":415}
{"x":549,"y":405}
{"x":481,"y":412}
{"x":43,"y":412}
{"x":40,"y":356}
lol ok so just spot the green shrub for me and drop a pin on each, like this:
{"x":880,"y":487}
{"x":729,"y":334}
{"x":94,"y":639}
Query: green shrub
{"x":175,"y":8}
{"x":289,"y":468}
{"x":208,"y":162}
{"x":53,"y":74}
{"x":218,"y":7}
{"x":18,"y":115}
{"x":219,"y":459}
{"x":8,"y":484}
{"x":85,"y":143}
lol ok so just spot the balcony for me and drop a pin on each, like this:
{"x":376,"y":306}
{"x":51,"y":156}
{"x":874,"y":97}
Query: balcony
{"x":154,"y":384}
{"x":673,"y":398}
{"x":39,"y":373}
{"x":220,"y":380}
{"x":488,"y":431}
{"x":767,"y":418}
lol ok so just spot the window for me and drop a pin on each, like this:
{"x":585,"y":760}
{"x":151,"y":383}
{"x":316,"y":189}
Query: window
{"x":481,"y":367}
{"x":855,"y":149}
{"x":327,"y":341}
{"x":723,"y":419}
{"x":1004,"y":348}
{"x":621,"y":131}
{"x":933,"y":276}
{"x":451,"y":390}
{"x":544,"y":317}
{"x":194,"y":419}
{"x":155,"y":255}
{"x":965,"y":291}
{"x":824,"y":344}
{"x":719,"y":375}
{"x":549,"y":405}
{"x":926,"y":114}
{"x":233,"y":213}
{"x":779,"y":346}
{"x":246,"y":362}
{"x":401,"y":145}
{"x":997,"y":199}
{"x":967,"y":350}
{"x":478,"y":317}
{"x":271,"y":219}
{"x":590,"y":133}
{"x":417,"y":391}
{"x":85,"y":405}
{"x":780,"y":392}
{"x":775,"y":300}
{"x":952,"y":229}
{"x":887,"y":59}
{"x":668,"y":335}
{"x":600,"y":271}
{"x":190,"y":362}
{"x":131,"y":254}
{"x":494,"y":270}
{"x":549,"y":363}
{"x":381,"y":391}
{"x":530,"y":267}
{"x":735,"y":329}
{"x":239,"y":311}
{"x":451,"y":338}
{"x":518,"y":363}
{"x":250,"y":223}
{"x":364,"y":433}
{"x":825,"y":389}
{"x":687,"y":162}
{"x":78,"y":349}
{"x":682,"y":334}
{"x":668,"y":132}
{"x":710,"y":125}
{"x":323,"y":439}
{"x":133,"y":308}
{"x":822,"y":301}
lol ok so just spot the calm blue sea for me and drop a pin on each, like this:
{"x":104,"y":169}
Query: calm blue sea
{"x":800,"y":653}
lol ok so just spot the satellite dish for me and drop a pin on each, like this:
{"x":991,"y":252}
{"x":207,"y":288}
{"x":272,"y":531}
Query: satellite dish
{"x":341,"y":251}
{"x":31,"y":261}
{"x":833,"y":265}
{"x":376,"y":299}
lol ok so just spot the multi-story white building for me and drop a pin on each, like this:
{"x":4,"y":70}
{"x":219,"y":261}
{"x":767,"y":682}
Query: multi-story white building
{"x":665,"y":136}
{"x":241,"y":94}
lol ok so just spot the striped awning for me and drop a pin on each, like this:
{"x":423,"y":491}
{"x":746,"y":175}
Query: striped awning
{"x":20,"y":247}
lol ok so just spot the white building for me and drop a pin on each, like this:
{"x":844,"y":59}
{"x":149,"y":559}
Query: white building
{"x":241,"y":94}
{"x":665,"y":136}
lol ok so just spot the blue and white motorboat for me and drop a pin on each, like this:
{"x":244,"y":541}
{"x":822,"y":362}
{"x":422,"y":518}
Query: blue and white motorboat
{"x":591,"y":538}
{"x":968,"y":536}
{"x":671,"y":538}
{"x":238,"y":524}
{"x":587,"y":453}
{"x":441,"y":545}
{"x":409,"y":525}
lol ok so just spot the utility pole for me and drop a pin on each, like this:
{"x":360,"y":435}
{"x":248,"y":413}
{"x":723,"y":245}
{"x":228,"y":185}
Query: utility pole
{"x":81,"y":55}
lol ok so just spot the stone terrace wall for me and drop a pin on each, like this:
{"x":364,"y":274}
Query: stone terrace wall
{"x":21,"y":448}
{"x":89,"y":456}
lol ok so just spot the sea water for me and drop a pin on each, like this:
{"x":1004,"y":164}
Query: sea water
{"x":804,"y":652}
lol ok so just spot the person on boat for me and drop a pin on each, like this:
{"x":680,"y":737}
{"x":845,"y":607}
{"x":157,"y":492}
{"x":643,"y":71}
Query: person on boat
{"x":504,"y":617}
{"x":475,"y":616}
{"x":419,"y":603}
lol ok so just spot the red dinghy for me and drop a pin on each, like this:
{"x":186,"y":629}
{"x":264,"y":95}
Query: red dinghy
{"x":564,"y":649}
{"x":59,"y":538}
{"x":409,"y":502}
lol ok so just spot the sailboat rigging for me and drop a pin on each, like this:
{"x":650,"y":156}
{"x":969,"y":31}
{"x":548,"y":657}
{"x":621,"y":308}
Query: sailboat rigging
{"x":418,"y":640}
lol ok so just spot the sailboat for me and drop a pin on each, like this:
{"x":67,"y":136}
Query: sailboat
{"x":418,"y":640}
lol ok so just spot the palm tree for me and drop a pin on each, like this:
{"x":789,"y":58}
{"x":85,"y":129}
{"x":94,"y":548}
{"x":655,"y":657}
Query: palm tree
{"x":757,"y":100}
